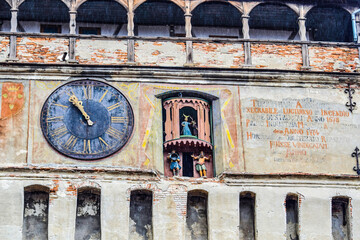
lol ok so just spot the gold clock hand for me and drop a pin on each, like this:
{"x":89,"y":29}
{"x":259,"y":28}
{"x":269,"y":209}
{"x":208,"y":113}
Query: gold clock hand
{"x":74,"y":100}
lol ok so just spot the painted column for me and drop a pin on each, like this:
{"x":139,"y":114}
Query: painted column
{"x":176,"y":121}
{"x":72,"y":22}
{"x":207,"y":124}
{"x":188,"y":27}
{"x":130,"y":29}
{"x":14,"y":23}
{"x":168,"y":135}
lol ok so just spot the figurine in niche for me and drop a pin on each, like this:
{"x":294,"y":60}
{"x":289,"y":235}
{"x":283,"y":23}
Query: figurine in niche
{"x":174,"y":165}
{"x":200,"y":166}
{"x":186,"y":125}
{"x":194,"y":127}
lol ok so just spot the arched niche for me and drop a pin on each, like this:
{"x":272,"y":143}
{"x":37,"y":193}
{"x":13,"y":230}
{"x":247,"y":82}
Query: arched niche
{"x":46,"y":16}
{"x":188,"y":140}
{"x":102,"y":17}
{"x":159,"y":18}
{"x":5,"y":16}
{"x":329,"y":23}
{"x":216,"y":19}
{"x":273,"y":21}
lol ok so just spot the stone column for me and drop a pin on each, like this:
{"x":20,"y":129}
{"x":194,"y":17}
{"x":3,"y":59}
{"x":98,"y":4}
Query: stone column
{"x":72,"y":40}
{"x":130,"y":28}
{"x":245,"y":26}
{"x":207,"y":124}
{"x":72,"y":23}
{"x":14,"y":23}
{"x":302,"y":28}
{"x":246,"y":35}
{"x":188,"y":27}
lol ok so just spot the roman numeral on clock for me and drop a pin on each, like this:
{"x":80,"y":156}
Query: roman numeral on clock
{"x":116,"y":105}
{"x":119,"y":119}
{"x":113,"y":132}
{"x":70,"y":143}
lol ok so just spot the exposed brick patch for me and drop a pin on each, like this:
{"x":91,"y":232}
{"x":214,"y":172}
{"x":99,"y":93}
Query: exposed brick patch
{"x":41,"y":50}
{"x":334,"y":59}
{"x":229,"y":55}
{"x":4,"y":48}
{"x":160,"y":53}
{"x":102,"y":52}
{"x":274,"y":56}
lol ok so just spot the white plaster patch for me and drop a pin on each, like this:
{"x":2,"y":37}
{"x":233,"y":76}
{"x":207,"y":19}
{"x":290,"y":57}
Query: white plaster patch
{"x":21,"y":152}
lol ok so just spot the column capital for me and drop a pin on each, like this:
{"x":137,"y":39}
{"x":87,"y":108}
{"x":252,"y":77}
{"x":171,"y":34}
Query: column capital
{"x":188,"y":15}
{"x":245,"y":16}
{"x":14,"y":10}
{"x":301,"y":18}
{"x":72,"y":12}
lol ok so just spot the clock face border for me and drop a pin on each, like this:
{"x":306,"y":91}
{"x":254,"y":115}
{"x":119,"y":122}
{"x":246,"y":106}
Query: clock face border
{"x":129,"y":125}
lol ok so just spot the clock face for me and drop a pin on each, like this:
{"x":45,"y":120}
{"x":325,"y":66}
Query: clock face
{"x":87,"y":120}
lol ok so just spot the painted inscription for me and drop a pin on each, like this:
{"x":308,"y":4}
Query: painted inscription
{"x":295,"y":129}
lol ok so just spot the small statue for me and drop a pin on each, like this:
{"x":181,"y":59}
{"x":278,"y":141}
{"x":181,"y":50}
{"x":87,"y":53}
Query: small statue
{"x":194,"y":127}
{"x":174,"y":165}
{"x":200,"y":166}
{"x":186,"y":125}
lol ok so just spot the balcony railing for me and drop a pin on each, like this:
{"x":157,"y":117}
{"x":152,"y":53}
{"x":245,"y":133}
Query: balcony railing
{"x":179,"y":52}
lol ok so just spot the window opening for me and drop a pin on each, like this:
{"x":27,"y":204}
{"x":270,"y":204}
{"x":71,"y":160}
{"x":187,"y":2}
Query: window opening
{"x":196,"y":216}
{"x":50,"y":28}
{"x":292,"y":217}
{"x":247,"y":216}
{"x":340,"y":218}
{"x":36,"y":212}
{"x":88,"y":224}
{"x":141,"y":215}
{"x":90,"y":30}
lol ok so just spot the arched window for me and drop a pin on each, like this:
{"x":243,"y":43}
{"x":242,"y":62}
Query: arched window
{"x":216,"y":19}
{"x":247,"y":215}
{"x":88,"y":224}
{"x":160,"y":19}
{"x":292,"y":216}
{"x":340,"y":215}
{"x":187,"y":122}
{"x":5,"y":16}
{"x":36,"y":212}
{"x":141,"y":215}
{"x":196,"y":215}
{"x":329,"y":24}
{"x":273,"y":21}
{"x":102,"y":17}
{"x":43,"y":16}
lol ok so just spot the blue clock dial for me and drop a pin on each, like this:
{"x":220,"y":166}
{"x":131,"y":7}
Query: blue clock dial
{"x":87,"y":120}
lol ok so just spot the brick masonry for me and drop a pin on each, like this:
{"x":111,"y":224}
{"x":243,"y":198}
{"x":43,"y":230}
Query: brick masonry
{"x":218,"y":55}
{"x":160,"y":53}
{"x":40,"y":49}
{"x":102,"y":52}
{"x":274,"y":56}
{"x":4,"y":48}
{"x":334,"y":59}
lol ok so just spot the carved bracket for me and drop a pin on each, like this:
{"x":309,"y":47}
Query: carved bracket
{"x":350,"y":104}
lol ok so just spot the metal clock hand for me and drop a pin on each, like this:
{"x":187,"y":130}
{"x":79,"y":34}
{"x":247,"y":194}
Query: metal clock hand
{"x":74,"y":100}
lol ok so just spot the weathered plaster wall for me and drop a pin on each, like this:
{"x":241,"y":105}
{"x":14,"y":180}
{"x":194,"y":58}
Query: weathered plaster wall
{"x":160,"y":53}
{"x":14,"y":110}
{"x":298,"y":130}
{"x":169,"y":205}
{"x":41,"y":50}
{"x":103,"y":52}
{"x":334,"y":59}
{"x":218,"y":55}
{"x":276,"y":56}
